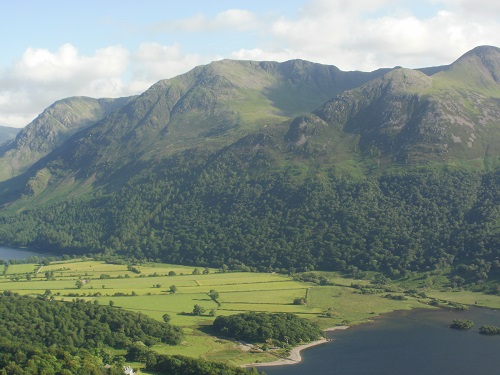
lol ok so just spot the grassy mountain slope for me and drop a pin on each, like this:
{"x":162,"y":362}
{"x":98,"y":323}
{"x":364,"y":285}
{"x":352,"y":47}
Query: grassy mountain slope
{"x":50,"y":129}
{"x":213,"y":106}
{"x":207,"y":108}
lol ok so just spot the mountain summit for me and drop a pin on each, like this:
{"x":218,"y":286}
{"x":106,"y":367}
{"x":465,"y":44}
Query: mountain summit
{"x":479,"y":67}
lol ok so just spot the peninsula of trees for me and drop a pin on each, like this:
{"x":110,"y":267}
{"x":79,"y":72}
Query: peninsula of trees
{"x":279,"y":328}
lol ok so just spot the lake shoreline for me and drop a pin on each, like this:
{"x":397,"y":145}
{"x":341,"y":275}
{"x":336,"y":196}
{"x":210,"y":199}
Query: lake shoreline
{"x":393,"y":341}
{"x":295,"y":357}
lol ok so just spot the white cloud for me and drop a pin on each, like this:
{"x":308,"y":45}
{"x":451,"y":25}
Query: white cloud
{"x":42,"y":66}
{"x":238,"y":19}
{"x":351,"y":34}
{"x":153,"y":62}
{"x":366,"y":35}
{"x":481,"y":8}
{"x":258,"y":54}
{"x":41,"y":77}
{"x":233,"y":19}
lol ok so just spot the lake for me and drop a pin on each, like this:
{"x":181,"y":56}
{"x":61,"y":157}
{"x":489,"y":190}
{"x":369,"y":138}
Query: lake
{"x":405,"y":342}
{"x":7,"y":253}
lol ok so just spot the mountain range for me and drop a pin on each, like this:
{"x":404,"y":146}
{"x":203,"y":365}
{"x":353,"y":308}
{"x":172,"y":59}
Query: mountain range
{"x":251,"y":120}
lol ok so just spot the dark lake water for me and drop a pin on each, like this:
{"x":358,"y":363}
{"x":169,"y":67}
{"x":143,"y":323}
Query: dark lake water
{"x":7,"y":253}
{"x":417,"y":342}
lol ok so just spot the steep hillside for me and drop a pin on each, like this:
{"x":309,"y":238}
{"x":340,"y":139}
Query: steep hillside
{"x":208,"y":108}
{"x":222,"y":211}
{"x":477,"y":69}
{"x":50,"y":129}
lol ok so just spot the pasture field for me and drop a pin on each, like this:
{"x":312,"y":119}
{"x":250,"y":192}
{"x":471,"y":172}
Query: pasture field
{"x":14,"y":269}
{"x":348,"y":306}
{"x":468,"y":298}
{"x":145,"y":288}
{"x":148,"y":292}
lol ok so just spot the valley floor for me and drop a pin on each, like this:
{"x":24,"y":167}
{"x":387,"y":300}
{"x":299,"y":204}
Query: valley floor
{"x":146,"y":288}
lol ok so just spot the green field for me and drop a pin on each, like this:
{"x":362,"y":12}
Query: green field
{"x":146,"y":289}
{"x":16,"y":269}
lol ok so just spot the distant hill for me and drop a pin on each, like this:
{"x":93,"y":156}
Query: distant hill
{"x":273,"y":166}
{"x":50,"y":129}
{"x":7,"y":133}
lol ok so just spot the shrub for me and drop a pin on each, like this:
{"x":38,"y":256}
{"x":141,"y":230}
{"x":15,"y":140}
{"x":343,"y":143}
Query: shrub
{"x":489,"y":330}
{"x":464,"y":324}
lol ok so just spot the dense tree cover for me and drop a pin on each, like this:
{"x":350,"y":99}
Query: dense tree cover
{"x":223,"y":212}
{"x":32,"y":359}
{"x":462,"y":324}
{"x":261,"y":327}
{"x":71,"y":338}
{"x":40,"y":336}
{"x":78,"y":324}
{"x":180,"y":365}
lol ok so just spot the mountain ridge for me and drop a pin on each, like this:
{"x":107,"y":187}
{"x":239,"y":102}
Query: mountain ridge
{"x":219,"y":166}
{"x":211,"y":105}
{"x":387,"y":116}
{"x":486,"y":58}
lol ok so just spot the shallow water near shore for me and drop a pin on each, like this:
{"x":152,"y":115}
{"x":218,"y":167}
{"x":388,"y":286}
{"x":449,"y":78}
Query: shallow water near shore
{"x":405,"y":342}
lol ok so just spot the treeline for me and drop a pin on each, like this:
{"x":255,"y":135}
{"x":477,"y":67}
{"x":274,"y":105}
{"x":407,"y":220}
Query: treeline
{"x":279,"y":328}
{"x":224,"y":213}
{"x":181,"y":365}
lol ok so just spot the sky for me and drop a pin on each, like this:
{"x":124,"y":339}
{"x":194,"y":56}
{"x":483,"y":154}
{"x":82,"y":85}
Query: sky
{"x":53,"y":49}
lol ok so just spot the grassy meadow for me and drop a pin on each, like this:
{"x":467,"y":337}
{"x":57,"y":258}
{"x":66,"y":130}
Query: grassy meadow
{"x":145,"y":288}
